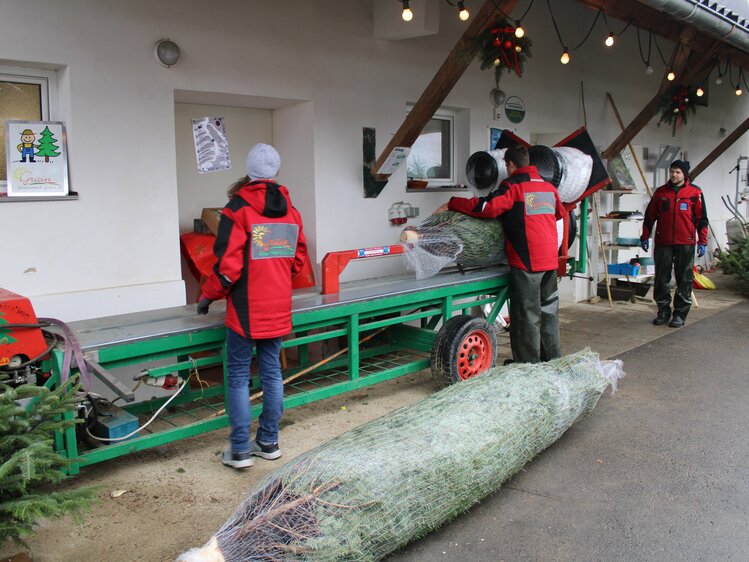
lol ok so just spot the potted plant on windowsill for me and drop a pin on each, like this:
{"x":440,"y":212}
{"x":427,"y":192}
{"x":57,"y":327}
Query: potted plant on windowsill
{"x":416,"y":175}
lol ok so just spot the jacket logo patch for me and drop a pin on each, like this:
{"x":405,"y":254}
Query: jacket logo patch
{"x":539,"y":203}
{"x":683,"y":206}
{"x":274,"y":240}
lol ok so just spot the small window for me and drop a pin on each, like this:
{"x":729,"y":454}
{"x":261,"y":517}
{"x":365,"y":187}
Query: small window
{"x":24,"y":95}
{"x":432,"y":156}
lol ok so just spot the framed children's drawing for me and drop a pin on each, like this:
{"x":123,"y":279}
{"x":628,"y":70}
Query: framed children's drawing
{"x":37,"y":158}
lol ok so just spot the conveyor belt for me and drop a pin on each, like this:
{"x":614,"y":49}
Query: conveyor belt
{"x":98,"y":333}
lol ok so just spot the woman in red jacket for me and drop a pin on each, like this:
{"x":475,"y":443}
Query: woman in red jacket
{"x":679,"y":209}
{"x":259,"y":247}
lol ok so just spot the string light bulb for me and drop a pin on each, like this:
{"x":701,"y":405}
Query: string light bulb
{"x":565,"y":58}
{"x":518,"y":48}
{"x":463,"y":14}
{"x":700,"y":92}
{"x":609,"y":40}
{"x":670,"y":76}
{"x":739,"y":91}
{"x":649,"y":70}
{"x":519,"y":31}
{"x":719,"y":80}
{"x":407,"y":14}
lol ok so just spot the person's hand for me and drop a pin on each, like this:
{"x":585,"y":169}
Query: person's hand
{"x":701,"y":249}
{"x":645,"y":245}
{"x":203,"y":305}
{"x":440,"y":209}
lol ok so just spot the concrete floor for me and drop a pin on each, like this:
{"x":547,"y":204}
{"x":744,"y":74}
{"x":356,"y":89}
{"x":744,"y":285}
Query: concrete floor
{"x":660,"y":471}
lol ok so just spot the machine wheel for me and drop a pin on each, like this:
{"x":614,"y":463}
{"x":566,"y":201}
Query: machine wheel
{"x":464,"y":347}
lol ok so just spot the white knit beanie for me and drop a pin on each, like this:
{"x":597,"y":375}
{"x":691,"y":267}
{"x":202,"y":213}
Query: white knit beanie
{"x":263,"y":162}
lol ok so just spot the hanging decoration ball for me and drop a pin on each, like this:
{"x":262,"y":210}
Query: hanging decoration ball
{"x":676,"y":105}
{"x":502,"y":49}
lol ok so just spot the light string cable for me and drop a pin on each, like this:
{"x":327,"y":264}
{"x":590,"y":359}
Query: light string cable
{"x":606,"y":21}
{"x":658,"y":48}
{"x":559,"y":35}
{"x":645,"y":60}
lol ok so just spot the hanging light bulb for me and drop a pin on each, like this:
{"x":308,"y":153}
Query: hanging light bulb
{"x":407,"y":14}
{"x":739,"y":91}
{"x":518,"y":48}
{"x":609,"y":40}
{"x":649,"y":70}
{"x":700,"y":92}
{"x":565,"y":58}
{"x":670,"y":76}
{"x":463,"y":14}
{"x":519,"y":31}
{"x":719,"y":80}
{"x":497,"y":62}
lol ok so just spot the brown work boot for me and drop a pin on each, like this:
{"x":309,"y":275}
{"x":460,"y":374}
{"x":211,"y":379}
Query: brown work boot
{"x":663,"y":317}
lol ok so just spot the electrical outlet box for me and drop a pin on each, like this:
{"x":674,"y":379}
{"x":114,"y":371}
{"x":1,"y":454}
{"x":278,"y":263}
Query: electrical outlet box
{"x":497,"y":113}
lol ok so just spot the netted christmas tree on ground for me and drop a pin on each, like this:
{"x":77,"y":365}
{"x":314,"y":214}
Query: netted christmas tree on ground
{"x":450,"y":237}
{"x":29,"y":466}
{"x":371,"y":490}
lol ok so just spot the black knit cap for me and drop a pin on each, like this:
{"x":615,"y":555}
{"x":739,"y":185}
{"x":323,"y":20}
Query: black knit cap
{"x":682,"y":165}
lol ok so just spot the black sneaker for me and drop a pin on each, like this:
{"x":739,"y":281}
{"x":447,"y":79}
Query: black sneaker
{"x":662,"y":318}
{"x":676,"y":322}
{"x":268,"y":452}
{"x":237,"y":460}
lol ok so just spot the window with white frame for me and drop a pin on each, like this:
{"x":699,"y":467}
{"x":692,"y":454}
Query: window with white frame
{"x":26,"y":94}
{"x":432,"y":156}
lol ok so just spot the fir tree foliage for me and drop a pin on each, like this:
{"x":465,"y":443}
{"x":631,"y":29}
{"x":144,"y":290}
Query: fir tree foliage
{"x":29,"y":465}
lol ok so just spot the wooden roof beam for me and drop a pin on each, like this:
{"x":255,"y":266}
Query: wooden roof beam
{"x":459,"y":59}
{"x":677,"y":64}
{"x":720,"y":149}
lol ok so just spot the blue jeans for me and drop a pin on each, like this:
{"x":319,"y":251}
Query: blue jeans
{"x":238,"y":359}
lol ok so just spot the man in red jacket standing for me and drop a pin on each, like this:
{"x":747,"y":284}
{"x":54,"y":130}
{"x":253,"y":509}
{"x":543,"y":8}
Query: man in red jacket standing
{"x":679,"y":209}
{"x":260,"y":245}
{"x":528,"y":207}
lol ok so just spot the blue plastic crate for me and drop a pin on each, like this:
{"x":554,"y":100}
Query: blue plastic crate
{"x":623,"y":269}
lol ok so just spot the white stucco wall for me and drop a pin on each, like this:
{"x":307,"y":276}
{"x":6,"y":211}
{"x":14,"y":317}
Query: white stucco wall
{"x":116,"y":249}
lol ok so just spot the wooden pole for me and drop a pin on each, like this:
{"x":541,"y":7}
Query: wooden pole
{"x":443,"y":82}
{"x":603,"y":250}
{"x":634,"y":155}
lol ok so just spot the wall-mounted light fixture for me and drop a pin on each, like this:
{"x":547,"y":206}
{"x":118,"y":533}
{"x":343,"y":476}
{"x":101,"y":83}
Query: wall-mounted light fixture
{"x":167,"y":52}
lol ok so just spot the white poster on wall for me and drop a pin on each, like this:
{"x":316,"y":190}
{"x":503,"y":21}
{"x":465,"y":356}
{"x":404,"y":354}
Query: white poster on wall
{"x":211,"y":146}
{"x":37,"y":157}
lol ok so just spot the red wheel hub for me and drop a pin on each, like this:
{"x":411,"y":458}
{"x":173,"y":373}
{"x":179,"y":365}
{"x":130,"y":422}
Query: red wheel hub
{"x":474,"y":354}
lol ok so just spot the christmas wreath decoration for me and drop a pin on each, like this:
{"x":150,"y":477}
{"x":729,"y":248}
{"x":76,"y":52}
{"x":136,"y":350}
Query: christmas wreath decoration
{"x":501,"y":50}
{"x":677,"y":103}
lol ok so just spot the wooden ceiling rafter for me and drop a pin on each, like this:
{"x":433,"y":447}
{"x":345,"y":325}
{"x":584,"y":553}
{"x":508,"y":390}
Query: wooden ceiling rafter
{"x":456,"y":63}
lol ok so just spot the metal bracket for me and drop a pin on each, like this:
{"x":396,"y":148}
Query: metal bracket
{"x":109,"y":380}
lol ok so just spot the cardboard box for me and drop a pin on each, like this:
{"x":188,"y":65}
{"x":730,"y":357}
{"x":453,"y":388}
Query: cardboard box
{"x":210,"y":217}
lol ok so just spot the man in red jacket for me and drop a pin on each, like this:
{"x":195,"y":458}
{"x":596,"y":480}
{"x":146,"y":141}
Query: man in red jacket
{"x":528,"y":207}
{"x":679,"y":209}
{"x":260,"y":245}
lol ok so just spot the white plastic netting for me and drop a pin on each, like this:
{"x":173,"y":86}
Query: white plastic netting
{"x":450,"y":237}
{"x":373,"y":489}
{"x":576,"y":168}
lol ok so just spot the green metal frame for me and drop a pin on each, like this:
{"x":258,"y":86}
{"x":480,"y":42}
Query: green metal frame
{"x":409,"y":320}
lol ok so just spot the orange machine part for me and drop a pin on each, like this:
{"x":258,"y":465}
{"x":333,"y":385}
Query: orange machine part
{"x":26,"y":342}
{"x":334,"y":263}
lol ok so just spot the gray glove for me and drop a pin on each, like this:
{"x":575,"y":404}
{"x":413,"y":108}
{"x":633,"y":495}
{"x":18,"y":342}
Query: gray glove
{"x":645,"y":245}
{"x":203,"y":305}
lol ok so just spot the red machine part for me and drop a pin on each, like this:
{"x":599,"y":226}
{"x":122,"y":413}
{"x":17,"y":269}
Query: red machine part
{"x":20,"y":334}
{"x":334,"y":263}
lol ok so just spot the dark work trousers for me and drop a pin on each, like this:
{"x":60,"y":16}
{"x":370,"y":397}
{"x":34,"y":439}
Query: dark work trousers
{"x":534,"y":316}
{"x":680,"y":258}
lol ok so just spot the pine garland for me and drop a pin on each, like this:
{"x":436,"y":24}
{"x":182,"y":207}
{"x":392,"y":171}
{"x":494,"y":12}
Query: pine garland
{"x":676,"y":104}
{"x":29,"y":416}
{"x":502,"y":51}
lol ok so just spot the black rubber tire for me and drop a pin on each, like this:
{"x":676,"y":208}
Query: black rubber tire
{"x":446,"y":352}
{"x":571,"y":229}
{"x":547,"y":163}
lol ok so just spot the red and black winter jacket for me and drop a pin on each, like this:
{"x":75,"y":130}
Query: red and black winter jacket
{"x":260,"y":245}
{"x":528,"y":207}
{"x":681,"y":215}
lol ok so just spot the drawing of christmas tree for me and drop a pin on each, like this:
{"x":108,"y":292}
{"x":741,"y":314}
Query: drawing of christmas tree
{"x":47,"y":146}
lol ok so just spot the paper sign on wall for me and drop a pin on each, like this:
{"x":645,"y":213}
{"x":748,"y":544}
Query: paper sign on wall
{"x":397,"y":157}
{"x":37,"y":158}
{"x":211,"y":146}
